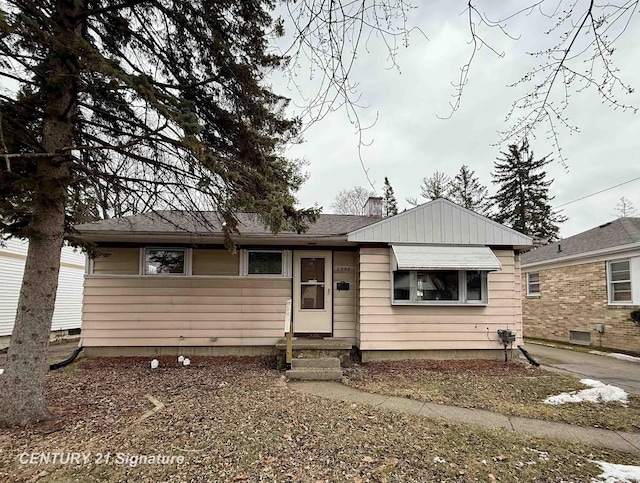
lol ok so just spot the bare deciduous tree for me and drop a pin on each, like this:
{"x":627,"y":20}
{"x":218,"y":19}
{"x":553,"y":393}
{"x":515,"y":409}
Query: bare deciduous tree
{"x":351,"y":201}
{"x":625,"y":208}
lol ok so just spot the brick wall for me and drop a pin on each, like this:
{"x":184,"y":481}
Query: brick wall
{"x":575,"y":298}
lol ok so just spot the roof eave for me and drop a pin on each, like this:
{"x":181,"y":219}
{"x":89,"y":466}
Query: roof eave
{"x":103,"y":236}
{"x":578,"y":256}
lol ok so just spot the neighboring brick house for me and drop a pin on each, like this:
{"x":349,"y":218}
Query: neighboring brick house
{"x":582,"y":289}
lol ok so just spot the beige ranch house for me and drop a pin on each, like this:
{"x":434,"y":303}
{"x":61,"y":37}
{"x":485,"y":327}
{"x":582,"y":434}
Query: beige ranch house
{"x":435,"y":281}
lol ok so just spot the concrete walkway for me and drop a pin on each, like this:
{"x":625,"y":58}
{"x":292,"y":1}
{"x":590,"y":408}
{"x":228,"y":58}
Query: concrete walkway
{"x":616,"y":440}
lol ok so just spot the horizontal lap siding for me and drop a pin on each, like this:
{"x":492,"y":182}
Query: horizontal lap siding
{"x":344,"y":302}
{"x":122,"y":261}
{"x":183,"y":311}
{"x":391,"y":327}
{"x":215,"y":262}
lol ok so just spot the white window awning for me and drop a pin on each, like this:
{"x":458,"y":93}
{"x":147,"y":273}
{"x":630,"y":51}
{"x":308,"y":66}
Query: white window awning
{"x":428,"y":257}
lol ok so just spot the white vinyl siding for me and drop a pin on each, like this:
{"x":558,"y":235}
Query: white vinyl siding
{"x":68,"y":308}
{"x":533,"y":283}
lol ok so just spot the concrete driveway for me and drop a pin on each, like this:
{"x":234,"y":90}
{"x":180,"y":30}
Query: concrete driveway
{"x":619,"y":373}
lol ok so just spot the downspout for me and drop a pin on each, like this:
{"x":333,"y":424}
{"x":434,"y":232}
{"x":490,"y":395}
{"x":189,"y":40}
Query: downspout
{"x":67,"y":361}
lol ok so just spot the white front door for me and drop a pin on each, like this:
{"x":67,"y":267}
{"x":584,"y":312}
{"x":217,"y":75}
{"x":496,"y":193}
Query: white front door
{"x":312,"y":298}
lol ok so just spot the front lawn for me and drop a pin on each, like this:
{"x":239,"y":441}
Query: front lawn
{"x":237,"y":420}
{"x":508,"y":388}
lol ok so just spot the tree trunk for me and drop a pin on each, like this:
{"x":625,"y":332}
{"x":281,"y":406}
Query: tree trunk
{"x":22,"y":387}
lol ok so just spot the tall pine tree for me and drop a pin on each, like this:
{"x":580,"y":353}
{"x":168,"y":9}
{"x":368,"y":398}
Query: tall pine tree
{"x":522,"y":201}
{"x":389,"y":203}
{"x":467,"y":191}
{"x":162,"y":104}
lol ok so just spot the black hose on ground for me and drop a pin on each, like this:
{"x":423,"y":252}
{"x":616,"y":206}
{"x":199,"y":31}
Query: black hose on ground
{"x":531,"y":360}
{"x":67,"y":361}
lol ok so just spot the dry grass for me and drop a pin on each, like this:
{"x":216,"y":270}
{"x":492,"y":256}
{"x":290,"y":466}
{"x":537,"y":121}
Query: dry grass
{"x":508,"y":388}
{"x":237,"y":420}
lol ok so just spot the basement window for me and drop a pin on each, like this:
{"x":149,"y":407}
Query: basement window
{"x":579,"y":337}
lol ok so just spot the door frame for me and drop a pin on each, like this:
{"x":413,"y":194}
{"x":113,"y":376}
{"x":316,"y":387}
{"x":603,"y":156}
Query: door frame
{"x":327,"y":254}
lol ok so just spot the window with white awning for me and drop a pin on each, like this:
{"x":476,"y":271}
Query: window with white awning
{"x":424,"y":274}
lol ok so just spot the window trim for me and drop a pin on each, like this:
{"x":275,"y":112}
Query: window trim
{"x":462,"y":290}
{"x":286,"y":263}
{"x":610,"y":283}
{"x":186,"y":272}
{"x":530,"y":293}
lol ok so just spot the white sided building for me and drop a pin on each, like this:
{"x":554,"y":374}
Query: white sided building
{"x":68,"y":312}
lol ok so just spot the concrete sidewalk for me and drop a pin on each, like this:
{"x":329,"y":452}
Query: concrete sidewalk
{"x":616,"y":440}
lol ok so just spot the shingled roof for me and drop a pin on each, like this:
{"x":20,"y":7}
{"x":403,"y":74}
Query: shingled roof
{"x":623,"y":231}
{"x":210,"y":223}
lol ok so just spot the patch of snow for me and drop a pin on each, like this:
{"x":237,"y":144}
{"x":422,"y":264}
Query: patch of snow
{"x":542,"y":455}
{"x":613,"y":473}
{"x":598,"y":392}
{"x":616,"y":355}
{"x":437,"y":459}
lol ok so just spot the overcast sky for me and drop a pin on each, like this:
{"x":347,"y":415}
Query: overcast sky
{"x":409,"y":142}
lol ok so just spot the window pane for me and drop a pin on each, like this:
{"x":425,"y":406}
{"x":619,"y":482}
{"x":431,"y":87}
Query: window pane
{"x":622,"y":296}
{"x":401,"y":286}
{"x":312,"y":296}
{"x":164,"y":261}
{"x":534,"y":277}
{"x":265,"y":263}
{"x":619,"y":266}
{"x":621,"y":286}
{"x":474,"y":285}
{"x":437,"y":285}
{"x":312,"y":269}
{"x":621,"y":275}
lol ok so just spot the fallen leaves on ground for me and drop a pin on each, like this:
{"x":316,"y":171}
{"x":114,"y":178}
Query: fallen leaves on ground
{"x":235,"y":419}
{"x":510,"y":388}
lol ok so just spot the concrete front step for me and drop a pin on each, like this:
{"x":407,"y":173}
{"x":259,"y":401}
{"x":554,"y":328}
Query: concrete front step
{"x":316,"y":363}
{"x":311,"y":374}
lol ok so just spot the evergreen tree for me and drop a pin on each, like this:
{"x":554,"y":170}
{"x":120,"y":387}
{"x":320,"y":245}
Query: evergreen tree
{"x":389,"y":203}
{"x":522,"y":200}
{"x":467,"y":191}
{"x":162,"y":104}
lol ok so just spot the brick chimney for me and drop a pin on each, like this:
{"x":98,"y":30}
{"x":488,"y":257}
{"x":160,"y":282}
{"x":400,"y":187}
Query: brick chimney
{"x":373,"y":207}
